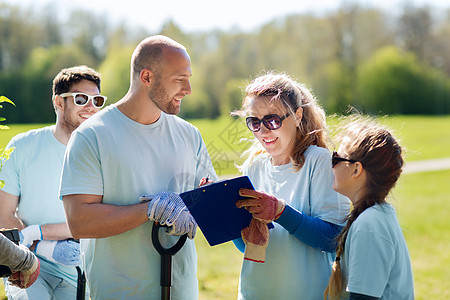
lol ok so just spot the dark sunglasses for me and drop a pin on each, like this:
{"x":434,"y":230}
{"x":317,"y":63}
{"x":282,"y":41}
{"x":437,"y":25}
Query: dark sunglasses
{"x":82,"y":99}
{"x":272,"y":122}
{"x":335,"y":159}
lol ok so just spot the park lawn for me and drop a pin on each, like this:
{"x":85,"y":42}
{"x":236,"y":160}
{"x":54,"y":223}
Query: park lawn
{"x":420,"y":200}
{"x":423,"y":137}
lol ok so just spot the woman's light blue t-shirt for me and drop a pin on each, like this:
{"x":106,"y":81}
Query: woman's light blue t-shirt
{"x":292,"y":269}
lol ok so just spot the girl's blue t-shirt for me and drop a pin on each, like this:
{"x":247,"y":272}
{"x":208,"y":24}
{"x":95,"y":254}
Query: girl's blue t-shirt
{"x":376,"y":260}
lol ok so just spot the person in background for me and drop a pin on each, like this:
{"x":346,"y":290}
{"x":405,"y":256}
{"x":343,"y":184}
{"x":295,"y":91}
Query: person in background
{"x":24,"y":264}
{"x":135,"y":147}
{"x":372,"y":259}
{"x":290,"y":168}
{"x":29,"y":200}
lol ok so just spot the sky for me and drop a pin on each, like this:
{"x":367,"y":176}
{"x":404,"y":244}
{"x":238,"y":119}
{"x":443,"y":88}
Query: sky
{"x":207,"y":15}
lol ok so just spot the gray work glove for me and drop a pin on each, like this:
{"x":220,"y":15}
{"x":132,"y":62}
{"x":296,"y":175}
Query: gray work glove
{"x":168,"y":209}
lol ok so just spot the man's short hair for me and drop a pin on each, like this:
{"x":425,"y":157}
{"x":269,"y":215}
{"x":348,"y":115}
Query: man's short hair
{"x":148,"y":54}
{"x":70,"y":76}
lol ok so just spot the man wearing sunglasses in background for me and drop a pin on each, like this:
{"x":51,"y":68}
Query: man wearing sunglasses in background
{"x":29,"y":200}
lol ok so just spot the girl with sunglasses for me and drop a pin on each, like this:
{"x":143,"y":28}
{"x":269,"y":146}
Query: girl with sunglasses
{"x":290,"y":168}
{"x":371,"y":248}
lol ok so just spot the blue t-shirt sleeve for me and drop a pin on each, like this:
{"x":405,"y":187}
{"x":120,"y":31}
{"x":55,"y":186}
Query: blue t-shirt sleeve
{"x":240,"y":245}
{"x":312,"y":231}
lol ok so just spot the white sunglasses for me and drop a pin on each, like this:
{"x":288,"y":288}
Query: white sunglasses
{"x":82,"y":99}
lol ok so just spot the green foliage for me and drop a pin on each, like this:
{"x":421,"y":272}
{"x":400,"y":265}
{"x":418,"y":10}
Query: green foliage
{"x":339,"y":87}
{"x":198,"y":103}
{"x":48,"y":62}
{"x":5,"y":153}
{"x":339,"y":55}
{"x":31,"y":86}
{"x":396,"y":82}
{"x":233,"y":95}
{"x":4,"y":99}
{"x":115,"y":72}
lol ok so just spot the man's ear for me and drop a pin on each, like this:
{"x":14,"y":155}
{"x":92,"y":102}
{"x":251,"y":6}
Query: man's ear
{"x":58,"y":102}
{"x":299,"y":115}
{"x":146,"y":77}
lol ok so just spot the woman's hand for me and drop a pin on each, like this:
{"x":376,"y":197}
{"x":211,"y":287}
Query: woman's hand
{"x":262,"y":206}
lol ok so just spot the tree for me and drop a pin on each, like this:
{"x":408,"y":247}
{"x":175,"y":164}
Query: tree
{"x":4,"y":153}
{"x":395,"y":82}
{"x":415,"y":30}
{"x":232,"y":96}
{"x":34,"y":101}
{"x":115,"y":71}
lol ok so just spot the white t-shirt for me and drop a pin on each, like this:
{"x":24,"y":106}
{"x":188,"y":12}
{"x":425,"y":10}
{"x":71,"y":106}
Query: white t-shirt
{"x":376,"y":260}
{"x":292,"y":269}
{"x":33,"y":173}
{"x":113,"y":156}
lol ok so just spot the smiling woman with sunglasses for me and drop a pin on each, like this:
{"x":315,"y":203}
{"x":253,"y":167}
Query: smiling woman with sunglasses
{"x":272,"y":122}
{"x":289,"y":166}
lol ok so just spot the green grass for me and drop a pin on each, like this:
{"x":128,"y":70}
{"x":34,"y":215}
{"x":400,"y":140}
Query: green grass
{"x":420,"y":199}
{"x":424,"y":137}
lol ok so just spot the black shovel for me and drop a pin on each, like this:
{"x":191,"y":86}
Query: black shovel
{"x":81,"y":284}
{"x":166,"y":259}
{"x":81,"y":281}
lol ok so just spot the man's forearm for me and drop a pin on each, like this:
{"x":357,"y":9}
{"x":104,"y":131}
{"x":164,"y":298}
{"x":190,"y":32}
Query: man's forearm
{"x":56,"y":232}
{"x":98,"y":220}
{"x":10,"y":222}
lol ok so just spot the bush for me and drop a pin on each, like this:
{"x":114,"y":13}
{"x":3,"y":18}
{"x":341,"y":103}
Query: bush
{"x":395,"y":82}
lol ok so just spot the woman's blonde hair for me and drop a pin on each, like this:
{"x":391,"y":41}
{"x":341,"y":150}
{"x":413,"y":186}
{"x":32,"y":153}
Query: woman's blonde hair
{"x":381,"y":157}
{"x":292,"y":95}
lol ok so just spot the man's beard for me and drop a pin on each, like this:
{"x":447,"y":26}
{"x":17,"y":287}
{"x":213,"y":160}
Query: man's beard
{"x":69,"y":123}
{"x":161,"y":99}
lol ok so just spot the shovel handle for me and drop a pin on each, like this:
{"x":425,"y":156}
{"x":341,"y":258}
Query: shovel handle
{"x":166,"y":251}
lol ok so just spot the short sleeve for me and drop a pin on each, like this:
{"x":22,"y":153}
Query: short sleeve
{"x":326,"y":203}
{"x":81,"y":172}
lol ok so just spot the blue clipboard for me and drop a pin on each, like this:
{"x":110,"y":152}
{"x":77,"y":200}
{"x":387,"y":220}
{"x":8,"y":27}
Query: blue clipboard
{"x":213,"y":207}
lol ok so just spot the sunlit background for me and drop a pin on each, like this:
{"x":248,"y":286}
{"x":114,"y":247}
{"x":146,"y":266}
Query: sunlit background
{"x":392,"y":57}
{"x":384,"y":58}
